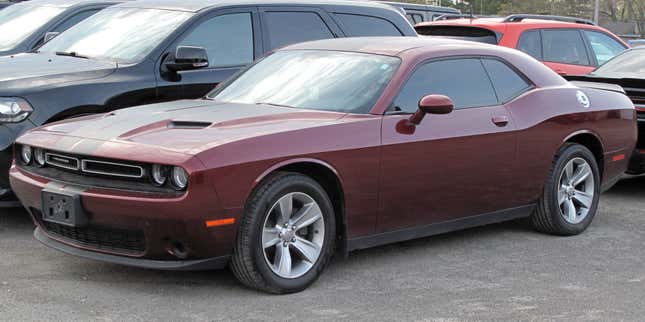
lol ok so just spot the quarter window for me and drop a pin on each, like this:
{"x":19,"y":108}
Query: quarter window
{"x":508,"y":84}
{"x":564,"y":46}
{"x":287,"y":28}
{"x":531,"y":43}
{"x":365,"y":26}
{"x":603,"y":46}
{"x":228,"y":39}
{"x":463,"y":80}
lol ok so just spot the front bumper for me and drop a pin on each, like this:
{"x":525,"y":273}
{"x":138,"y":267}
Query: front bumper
{"x":134,"y":228}
{"x":186,"y":265}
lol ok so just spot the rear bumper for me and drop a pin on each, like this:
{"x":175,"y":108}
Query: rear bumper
{"x":188,"y":265}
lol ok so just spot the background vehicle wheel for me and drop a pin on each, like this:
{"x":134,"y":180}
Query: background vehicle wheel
{"x":570,"y":198}
{"x":286,"y":236}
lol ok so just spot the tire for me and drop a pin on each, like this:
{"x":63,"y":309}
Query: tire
{"x":260,"y":267}
{"x":553,"y":213}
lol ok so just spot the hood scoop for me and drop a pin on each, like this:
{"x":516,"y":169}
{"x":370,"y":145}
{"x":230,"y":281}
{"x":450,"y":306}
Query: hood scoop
{"x":188,"y":125}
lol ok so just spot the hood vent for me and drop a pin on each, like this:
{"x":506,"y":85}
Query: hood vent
{"x":188,"y":125}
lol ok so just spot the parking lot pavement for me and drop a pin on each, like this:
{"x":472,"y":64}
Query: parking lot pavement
{"x":497,"y":272}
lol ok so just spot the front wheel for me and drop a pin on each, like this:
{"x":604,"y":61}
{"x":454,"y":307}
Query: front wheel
{"x":286,"y":236}
{"x":570,"y":198}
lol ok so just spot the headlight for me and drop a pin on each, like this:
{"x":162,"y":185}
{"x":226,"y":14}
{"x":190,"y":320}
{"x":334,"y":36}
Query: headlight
{"x":159,"y":174}
{"x":39,"y":157}
{"x":26,"y":154}
{"x":14,"y":109}
{"x":179,"y":178}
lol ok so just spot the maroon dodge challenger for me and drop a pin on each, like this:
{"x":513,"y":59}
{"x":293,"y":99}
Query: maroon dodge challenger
{"x":326,"y":146}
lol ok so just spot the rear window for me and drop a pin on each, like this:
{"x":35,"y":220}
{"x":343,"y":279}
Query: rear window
{"x":460,"y":32}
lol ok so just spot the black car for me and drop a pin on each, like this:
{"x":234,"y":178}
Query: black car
{"x":417,"y":13}
{"x":24,"y":25}
{"x":151,"y":51}
{"x":627,"y":70}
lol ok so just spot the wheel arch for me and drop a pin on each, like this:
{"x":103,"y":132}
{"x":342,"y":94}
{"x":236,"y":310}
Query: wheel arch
{"x":75,"y":112}
{"x":591,"y":141}
{"x":328,"y":177}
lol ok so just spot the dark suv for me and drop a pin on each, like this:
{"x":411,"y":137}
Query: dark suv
{"x":150,"y":51}
{"x":23,"y":26}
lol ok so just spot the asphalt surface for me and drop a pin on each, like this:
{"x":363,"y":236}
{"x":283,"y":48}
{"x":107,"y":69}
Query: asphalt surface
{"x":498,"y":272}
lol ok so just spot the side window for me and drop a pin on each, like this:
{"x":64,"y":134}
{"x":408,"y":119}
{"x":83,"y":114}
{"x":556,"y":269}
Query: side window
{"x":73,"y":20}
{"x":228,"y":39}
{"x":564,"y":46}
{"x":414,"y":18}
{"x":285,"y":28}
{"x":508,"y":84}
{"x":365,"y":26}
{"x":463,"y":80}
{"x":531,"y":43}
{"x":603,"y":46}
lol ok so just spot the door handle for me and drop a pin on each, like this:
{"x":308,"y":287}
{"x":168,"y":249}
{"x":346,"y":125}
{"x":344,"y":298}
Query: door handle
{"x":561,"y":72}
{"x":501,"y":120}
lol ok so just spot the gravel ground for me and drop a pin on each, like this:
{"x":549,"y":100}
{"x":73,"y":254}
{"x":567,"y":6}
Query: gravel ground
{"x":498,"y":272}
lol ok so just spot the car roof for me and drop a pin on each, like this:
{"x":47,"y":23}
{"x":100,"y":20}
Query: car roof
{"x":390,"y":46}
{"x":421,"y":7}
{"x":66,"y":3}
{"x":499,"y":23}
{"x":198,"y":5}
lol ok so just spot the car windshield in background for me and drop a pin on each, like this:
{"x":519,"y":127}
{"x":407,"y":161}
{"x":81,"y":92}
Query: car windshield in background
{"x":630,"y":62}
{"x":123,"y":35}
{"x":19,"y":21}
{"x":320,"y":80}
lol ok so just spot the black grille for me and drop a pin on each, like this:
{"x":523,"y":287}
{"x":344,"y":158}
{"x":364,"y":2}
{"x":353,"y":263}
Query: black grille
{"x":122,"y":241}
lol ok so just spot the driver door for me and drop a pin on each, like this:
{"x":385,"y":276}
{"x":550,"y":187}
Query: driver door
{"x":450,"y":166}
{"x":231,"y":39}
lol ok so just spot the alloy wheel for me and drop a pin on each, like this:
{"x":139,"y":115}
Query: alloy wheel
{"x":576,"y":191}
{"x":293,"y":235}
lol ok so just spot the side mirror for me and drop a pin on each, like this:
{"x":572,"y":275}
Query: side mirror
{"x":432,"y":104}
{"x":49,"y":36}
{"x":188,"y":58}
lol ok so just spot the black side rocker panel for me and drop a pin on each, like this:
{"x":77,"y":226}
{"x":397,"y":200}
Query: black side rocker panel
{"x":439,"y":228}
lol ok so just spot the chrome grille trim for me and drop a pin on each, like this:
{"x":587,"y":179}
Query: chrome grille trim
{"x":84,"y":169}
{"x":49,"y":157}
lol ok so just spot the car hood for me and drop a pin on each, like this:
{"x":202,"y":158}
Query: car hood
{"x":26,"y":72}
{"x":189,"y":126}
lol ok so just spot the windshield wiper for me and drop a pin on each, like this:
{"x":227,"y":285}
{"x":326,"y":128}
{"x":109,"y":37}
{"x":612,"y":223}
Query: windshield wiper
{"x":71,"y":54}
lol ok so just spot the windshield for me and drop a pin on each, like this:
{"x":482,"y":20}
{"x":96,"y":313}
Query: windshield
{"x":124,"y":35}
{"x":629,"y":62}
{"x":19,"y":21}
{"x":320,"y":80}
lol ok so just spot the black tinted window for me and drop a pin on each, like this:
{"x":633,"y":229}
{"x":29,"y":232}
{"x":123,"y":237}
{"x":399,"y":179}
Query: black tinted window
{"x":286,"y":28}
{"x":508,"y":84}
{"x":463,"y":80}
{"x":228,"y":39}
{"x":531,"y":43}
{"x":365,"y":26}
{"x":564,"y":46}
{"x":414,"y":18}
{"x":458,"y":32}
{"x":73,"y":20}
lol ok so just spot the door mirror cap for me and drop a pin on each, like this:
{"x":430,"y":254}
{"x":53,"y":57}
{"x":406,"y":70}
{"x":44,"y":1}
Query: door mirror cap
{"x":49,"y":36}
{"x":188,"y":58}
{"x":432,"y":104}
